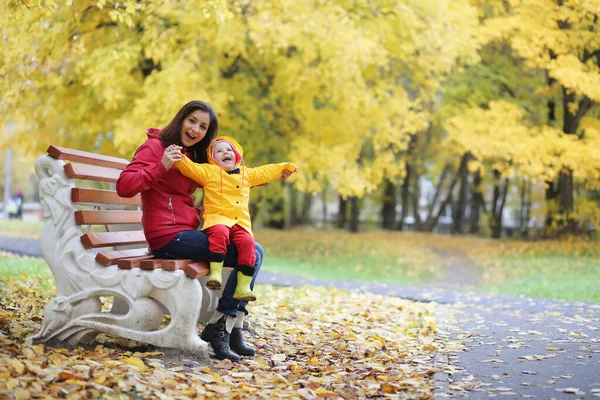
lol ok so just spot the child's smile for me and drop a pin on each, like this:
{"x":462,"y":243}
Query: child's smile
{"x":224,"y":155}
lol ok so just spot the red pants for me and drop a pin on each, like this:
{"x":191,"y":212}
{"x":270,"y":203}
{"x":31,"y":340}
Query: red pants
{"x":220,"y":235}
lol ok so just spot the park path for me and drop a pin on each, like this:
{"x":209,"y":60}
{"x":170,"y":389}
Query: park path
{"x":515,"y":347}
{"x":460,"y":272}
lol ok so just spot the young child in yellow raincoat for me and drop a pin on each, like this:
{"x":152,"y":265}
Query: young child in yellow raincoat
{"x":226,"y":216}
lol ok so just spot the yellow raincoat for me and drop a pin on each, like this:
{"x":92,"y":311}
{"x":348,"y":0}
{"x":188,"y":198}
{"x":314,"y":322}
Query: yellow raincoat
{"x":226,"y":196}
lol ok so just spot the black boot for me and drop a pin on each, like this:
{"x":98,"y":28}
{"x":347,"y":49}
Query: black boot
{"x":216,"y":334}
{"x":238,"y":344}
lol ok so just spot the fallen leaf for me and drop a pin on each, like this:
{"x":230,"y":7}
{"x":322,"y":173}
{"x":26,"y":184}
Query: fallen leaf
{"x":136,"y":362}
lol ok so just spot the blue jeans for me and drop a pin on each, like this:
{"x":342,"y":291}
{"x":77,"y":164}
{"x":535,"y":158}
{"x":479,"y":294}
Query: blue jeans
{"x":194,"y":245}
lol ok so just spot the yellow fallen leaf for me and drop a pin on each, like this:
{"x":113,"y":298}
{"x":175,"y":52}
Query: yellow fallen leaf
{"x":12,"y":383}
{"x":28,"y":352}
{"x":278,"y":357}
{"x":218,"y":389}
{"x":136,"y":362}
{"x":390,"y":388}
{"x":22,"y":395}
{"x":245,"y":375}
{"x":18,"y":366}
{"x":189,"y":392}
{"x":314,"y":361}
{"x":65,"y":376}
{"x":206,"y":378}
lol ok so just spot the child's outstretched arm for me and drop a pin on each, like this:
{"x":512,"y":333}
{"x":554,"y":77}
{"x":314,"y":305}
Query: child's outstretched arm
{"x":270,"y":172}
{"x":192,"y":170}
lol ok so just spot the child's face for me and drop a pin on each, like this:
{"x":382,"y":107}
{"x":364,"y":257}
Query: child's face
{"x":224,"y":155}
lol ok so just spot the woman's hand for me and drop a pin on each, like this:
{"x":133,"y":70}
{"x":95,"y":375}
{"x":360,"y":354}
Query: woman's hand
{"x":171,"y":154}
{"x":286,"y":173}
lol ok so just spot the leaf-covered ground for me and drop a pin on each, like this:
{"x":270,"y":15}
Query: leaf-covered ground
{"x":311,"y":343}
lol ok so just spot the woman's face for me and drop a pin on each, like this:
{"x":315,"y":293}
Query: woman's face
{"x":194,"y":128}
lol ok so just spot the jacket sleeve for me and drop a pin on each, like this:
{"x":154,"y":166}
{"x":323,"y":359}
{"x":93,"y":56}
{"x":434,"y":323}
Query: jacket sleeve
{"x":198,"y":172}
{"x":267,"y":173}
{"x":143,"y":172}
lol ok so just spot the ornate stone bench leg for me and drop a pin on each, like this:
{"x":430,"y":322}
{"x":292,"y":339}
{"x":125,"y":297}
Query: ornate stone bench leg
{"x":77,"y":319}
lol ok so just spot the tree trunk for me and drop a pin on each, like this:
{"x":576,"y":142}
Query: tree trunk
{"x":388,"y":209}
{"x":525,"y":211}
{"x":293,"y":208}
{"x":276,"y":210}
{"x":416,"y":196}
{"x":565,"y":188}
{"x":438,"y":190}
{"x":354,"y":211}
{"x":324,"y":210}
{"x":477,"y":203}
{"x":7,"y":180}
{"x":405,"y":195}
{"x":34,"y":184}
{"x":551,"y":192}
{"x":307,"y":199}
{"x":432,"y":219}
{"x":410,"y":167}
{"x":458,"y":217}
{"x":498,"y":203}
{"x":341,"y":217}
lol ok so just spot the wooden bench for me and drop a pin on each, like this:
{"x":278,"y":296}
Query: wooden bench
{"x":93,"y":243}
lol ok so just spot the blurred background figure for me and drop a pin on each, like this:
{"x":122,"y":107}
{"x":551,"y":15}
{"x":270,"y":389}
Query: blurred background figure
{"x":14,"y":206}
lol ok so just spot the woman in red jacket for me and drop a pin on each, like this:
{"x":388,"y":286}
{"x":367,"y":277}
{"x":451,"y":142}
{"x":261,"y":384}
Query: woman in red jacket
{"x":170,"y":219}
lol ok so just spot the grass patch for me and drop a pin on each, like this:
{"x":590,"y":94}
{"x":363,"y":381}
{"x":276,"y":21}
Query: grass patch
{"x":387,"y":257}
{"x":24,"y":268}
{"x":559,"y":277}
{"x":18,"y":228}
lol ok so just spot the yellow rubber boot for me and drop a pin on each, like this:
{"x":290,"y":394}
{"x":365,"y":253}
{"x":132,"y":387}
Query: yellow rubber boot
{"x":242,"y":289}
{"x":215,"y":279}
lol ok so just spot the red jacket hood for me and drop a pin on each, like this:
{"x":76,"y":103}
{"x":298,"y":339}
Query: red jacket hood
{"x":152,"y":132}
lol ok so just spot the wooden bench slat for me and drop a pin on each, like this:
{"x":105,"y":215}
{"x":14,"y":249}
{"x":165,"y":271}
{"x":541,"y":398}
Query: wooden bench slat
{"x":169,"y":265}
{"x":151,"y":264}
{"x":92,"y":173}
{"x":107,"y":258}
{"x":132,"y":262}
{"x":107,"y":217}
{"x":98,"y":196}
{"x":64,"y":153}
{"x":94,"y":240}
{"x":196,"y":270}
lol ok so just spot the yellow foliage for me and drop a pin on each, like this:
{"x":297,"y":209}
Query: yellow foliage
{"x":316,"y":82}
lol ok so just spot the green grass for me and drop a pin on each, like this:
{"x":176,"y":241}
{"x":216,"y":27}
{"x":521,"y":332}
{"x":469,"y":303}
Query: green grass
{"x":367,"y":257}
{"x":559,"y":277}
{"x":24,"y":268}
{"x":368,"y":269}
{"x":18,"y":228}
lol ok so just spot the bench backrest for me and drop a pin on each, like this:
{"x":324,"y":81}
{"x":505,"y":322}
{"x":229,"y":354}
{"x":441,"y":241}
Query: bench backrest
{"x":121,"y":217}
{"x":123,"y":242}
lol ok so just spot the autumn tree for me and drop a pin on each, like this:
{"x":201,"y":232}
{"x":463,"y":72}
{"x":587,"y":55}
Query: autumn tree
{"x":561,"y":38}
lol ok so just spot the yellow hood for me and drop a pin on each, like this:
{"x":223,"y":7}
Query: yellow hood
{"x":237,"y":149}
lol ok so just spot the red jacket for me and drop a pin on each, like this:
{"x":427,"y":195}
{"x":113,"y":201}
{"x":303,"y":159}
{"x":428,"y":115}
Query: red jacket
{"x":167,"y":196}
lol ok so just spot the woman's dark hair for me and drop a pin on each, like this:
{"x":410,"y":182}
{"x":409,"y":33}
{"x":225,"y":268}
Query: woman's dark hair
{"x":172,"y":133}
